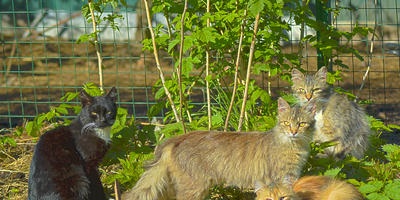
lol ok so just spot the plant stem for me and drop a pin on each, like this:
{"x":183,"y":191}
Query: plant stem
{"x":207,"y":75}
{"x":96,"y":45}
{"x":168,"y":22}
{"x":155,"y":52}
{"x":180,"y":65}
{"x":235,"y":81}
{"x":370,"y":52}
{"x":251,"y":53}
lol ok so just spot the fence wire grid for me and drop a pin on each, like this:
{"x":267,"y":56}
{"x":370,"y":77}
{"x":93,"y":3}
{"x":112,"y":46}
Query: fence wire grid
{"x":41,"y":60}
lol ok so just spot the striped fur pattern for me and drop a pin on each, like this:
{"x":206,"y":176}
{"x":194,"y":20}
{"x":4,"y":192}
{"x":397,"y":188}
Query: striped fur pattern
{"x":338,"y":119}
{"x":186,"y":166}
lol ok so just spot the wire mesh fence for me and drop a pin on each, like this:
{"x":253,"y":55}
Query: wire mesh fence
{"x":41,"y":59}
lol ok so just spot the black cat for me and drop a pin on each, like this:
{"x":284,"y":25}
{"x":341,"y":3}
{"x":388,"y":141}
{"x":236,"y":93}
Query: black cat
{"x":65,"y":160}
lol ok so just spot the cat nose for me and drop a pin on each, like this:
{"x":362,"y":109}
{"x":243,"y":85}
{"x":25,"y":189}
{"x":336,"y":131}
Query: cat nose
{"x":309,"y":96}
{"x":293,"y":131}
{"x":103,"y":121}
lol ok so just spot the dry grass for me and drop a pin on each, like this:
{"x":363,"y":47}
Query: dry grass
{"x":14,"y":168}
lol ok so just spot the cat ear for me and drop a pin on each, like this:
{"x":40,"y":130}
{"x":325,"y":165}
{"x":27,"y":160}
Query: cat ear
{"x":112,"y":93}
{"x":86,"y":99}
{"x":321,"y":74}
{"x":297,"y":75}
{"x":258,"y":185}
{"x":282,"y":105}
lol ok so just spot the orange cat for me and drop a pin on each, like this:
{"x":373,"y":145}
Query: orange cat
{"x":310,"y":188}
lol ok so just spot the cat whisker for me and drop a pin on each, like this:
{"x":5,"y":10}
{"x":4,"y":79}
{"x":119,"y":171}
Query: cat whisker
{"x":87,"y":127}
{"x":104,"y":133}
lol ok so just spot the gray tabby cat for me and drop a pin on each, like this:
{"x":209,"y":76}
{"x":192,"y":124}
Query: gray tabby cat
{"x":337,"y":119}
{"x":186,"y":166}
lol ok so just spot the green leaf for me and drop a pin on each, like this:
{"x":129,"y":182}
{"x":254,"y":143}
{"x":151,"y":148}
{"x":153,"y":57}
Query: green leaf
{"x":255,"y":7}
{"x":83,"y":38}
{"x":391,"y":148}
{"x":5,"y":140}
{"x":392,"y":190}
{"x":123,"y":2}
{"x":377,"y":196}
{"x":217,"y":121}
{"x":77,"y":109}
{"x":393,"y":126}
{"x":206,"y":35}
{"x":189,"y":42}
{"x":392,"y":152}
{"x":187,"y":66}
{"x":120,"y":120}
{"x":354,"y":182}
{"x":69,"y":96}
{"x":155,"y":109}
{"x":333,"y":77}
{"x":85,"y":11}
{"x":42,"y":117}
{"x":332,"y":172}
{"x":172,"y":44}
{"x":62,"y":109}
{"x":378,"y":125}
{"x":160,"y":93}
{"x":92,"y":89}
{"x":372,"y":186}
{"x":50,"y":115}
{"x":32,"y":129}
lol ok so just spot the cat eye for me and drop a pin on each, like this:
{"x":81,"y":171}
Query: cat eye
{"x":303,"y":124}
{"x":286,"y":123}
{"x":301,"y":90}
{"x":93,"y":113}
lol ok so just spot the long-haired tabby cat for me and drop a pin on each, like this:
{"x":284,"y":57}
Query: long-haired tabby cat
{"x":338,"y":119}
{"x":309,"y":188}
{"x":65,"y":159}
{"x":186,"y":166}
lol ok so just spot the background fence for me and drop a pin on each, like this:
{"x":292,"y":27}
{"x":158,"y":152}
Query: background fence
{"x":41,"y":60}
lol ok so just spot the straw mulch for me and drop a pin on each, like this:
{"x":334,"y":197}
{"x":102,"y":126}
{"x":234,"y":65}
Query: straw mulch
{"x":14,"y":168}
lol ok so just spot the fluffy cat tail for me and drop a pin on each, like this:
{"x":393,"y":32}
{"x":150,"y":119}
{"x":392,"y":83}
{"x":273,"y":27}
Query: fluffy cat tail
{"x":153,"y":184}
{"x":338,"y":190}
{"x":325,"y":188}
